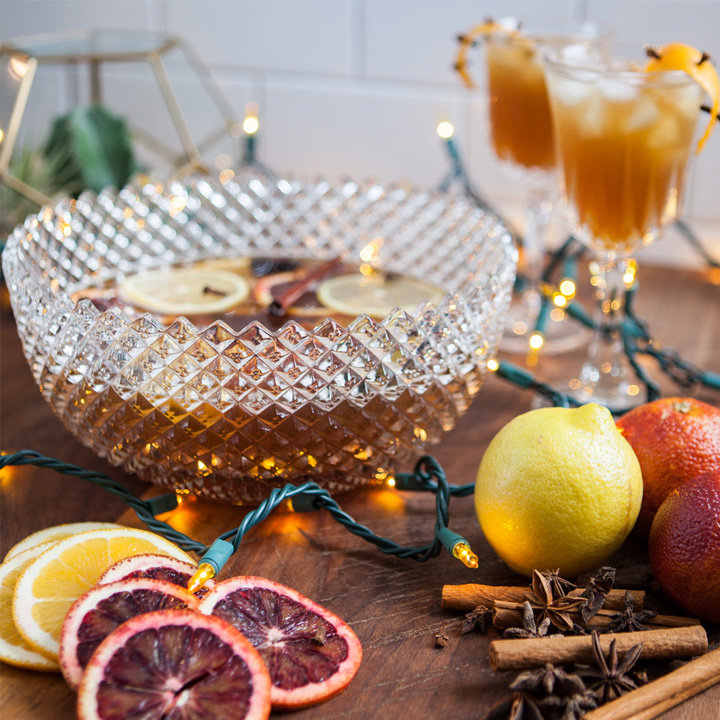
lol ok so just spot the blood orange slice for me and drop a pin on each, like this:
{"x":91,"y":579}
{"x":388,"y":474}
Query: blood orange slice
{"x":175,"y":664}
{"x":310,"y":652}
{"x":157,"y":567}
{"x":103,"y":608}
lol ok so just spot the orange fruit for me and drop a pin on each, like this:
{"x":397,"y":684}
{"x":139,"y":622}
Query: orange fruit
{"x":698,"y":65}
{"x":675,"y":439}
{"x":685,"y":546}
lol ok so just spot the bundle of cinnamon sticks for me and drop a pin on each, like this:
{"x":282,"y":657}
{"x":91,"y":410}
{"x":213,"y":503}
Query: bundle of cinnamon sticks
{"x":665,"y":637}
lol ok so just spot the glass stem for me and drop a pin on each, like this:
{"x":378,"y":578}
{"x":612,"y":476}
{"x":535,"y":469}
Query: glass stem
{"x":605,"y":373}
{"x":537,"y":219}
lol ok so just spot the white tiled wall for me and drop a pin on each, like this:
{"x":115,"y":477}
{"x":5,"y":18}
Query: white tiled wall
{"x":356,"y":87}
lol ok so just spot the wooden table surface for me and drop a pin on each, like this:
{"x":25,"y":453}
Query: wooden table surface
{"x":393,"y":605}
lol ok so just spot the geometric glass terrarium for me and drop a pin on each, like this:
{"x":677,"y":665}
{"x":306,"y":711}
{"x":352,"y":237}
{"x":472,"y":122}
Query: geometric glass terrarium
{"x":230,"y":412}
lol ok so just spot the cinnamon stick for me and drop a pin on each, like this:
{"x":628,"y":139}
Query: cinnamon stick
{"x":509,"y":614}
{"x":682,"y":642}
{"x":286,"y":299}
{"x":651,"y":700}
{"x":468,"y":596}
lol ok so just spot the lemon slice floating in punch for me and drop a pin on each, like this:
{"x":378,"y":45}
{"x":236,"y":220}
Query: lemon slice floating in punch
{"x":186,"y":291}
{"x":375,"y":295}
{"x":677,"y":56}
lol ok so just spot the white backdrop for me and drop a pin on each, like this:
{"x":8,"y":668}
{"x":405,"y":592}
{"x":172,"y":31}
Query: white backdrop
{"x":356,"y":87}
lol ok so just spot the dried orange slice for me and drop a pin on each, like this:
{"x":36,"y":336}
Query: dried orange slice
{"x":677,"y":56}
{"x":509,"y":26}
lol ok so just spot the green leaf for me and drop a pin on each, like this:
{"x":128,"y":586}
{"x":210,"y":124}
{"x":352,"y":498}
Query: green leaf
{"x":97,"y":147}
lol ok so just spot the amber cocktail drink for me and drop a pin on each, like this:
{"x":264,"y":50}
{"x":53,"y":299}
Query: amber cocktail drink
{"x":520,"y":122}
{"x":521,"y":135}
{"x":623,"y":138}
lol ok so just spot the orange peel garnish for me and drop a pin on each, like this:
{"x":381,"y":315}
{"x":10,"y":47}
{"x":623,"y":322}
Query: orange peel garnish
{"x":677,"y":56}
{"x":467,"y":40}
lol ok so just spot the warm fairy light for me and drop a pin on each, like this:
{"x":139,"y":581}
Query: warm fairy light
{"x":629,"y":274}
{"x":633,"y":390}
{"x":464,"y":553}
{"x":204,"y":573}
{"x":714,"y":276}
{"x":391,"y":482}
{"x":17,"y":68}
{"x":445,"y":129}
{"x":560,"y":300}
{"x":519,"y":328}
{"x":536,"y":341}
{"x":366,"y":254}
{"x":177,"y":204}
{"x":492,"y":365}
{"x":226,"y":175}
{"x":251,"y":123}
{"x":557,"y":314}
{"x":420,"y":434}
{"x":567,"y":287}
{"x":202,"y":468}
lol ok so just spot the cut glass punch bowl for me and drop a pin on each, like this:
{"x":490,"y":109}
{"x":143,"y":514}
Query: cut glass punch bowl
{"x":230,"y":414}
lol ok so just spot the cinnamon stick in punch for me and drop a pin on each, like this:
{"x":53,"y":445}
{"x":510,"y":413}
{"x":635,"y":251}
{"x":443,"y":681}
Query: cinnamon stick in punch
{"x":664,"y":643}
{"x":666,"y":692}
{"x":509,"y":614}
{"x":471,"y":595}
{"x":286,"y":299}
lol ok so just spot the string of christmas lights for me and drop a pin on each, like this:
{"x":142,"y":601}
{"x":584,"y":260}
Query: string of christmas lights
{"x":428,"y":476}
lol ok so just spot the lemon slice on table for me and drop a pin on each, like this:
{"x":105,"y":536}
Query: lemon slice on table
{"x":677,"y":56}
{"x":375,"y":295}
{"x":55,"y":533}
{"x":186,"y":291}
{"x":52,"y":582}
{"x":14,"y":650}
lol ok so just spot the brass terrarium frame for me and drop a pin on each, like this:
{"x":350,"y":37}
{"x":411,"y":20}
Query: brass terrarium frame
{"x":95,"y":48}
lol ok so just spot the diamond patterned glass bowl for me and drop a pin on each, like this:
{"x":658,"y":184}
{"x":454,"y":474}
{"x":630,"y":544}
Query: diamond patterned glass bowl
{"x":229,"y":415}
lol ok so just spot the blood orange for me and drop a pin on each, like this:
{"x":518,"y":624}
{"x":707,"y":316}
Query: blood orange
{"x":158,"y":567}
{"x":685,"y":546}
{"x":103,"y":608}
{"x":675,"y":439}
{"x":175,"y":664}
{"x":310,"y":652}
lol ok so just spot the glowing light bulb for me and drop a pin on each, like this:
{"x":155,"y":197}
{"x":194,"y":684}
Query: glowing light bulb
{"x":465,"y":555}
{"x":567,"y":288}
{"x":204,"y":572}
{"x":536,"y":341}
{"x":560,"y":300}
{"x":492,"y":365}
{"x":391,"y":482}
{"x":445,"y":129}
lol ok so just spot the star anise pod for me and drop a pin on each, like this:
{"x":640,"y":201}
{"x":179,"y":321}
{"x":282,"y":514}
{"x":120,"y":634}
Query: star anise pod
{"x":612,"y":676}
{"x":559,"y":585}
{"x":549,"y":680}
{"x":572,"y":707}
{"x":627,"y":619}
{"x":477,"y":620}
{"x":519,"y":707}
{"x":529,"y":628}
{"x":596,"y":591}
{"x":557,"y":609}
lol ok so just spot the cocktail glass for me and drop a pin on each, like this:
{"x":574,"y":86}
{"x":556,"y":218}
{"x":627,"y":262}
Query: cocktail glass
{"x":623,"y":139}
{"x":522,"y":139}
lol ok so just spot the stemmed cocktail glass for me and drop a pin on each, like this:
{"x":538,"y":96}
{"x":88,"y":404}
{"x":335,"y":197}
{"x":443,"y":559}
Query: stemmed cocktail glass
{"x":522,"y":139}
{"x":623,"y":138}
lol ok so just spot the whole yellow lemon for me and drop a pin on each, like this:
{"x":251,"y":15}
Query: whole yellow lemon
{"x":558,"y":488}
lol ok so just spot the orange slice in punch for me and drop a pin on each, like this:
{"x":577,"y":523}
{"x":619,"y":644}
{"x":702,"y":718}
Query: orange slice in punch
{"x":677,"y":56}
{"x":509,"y":26}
